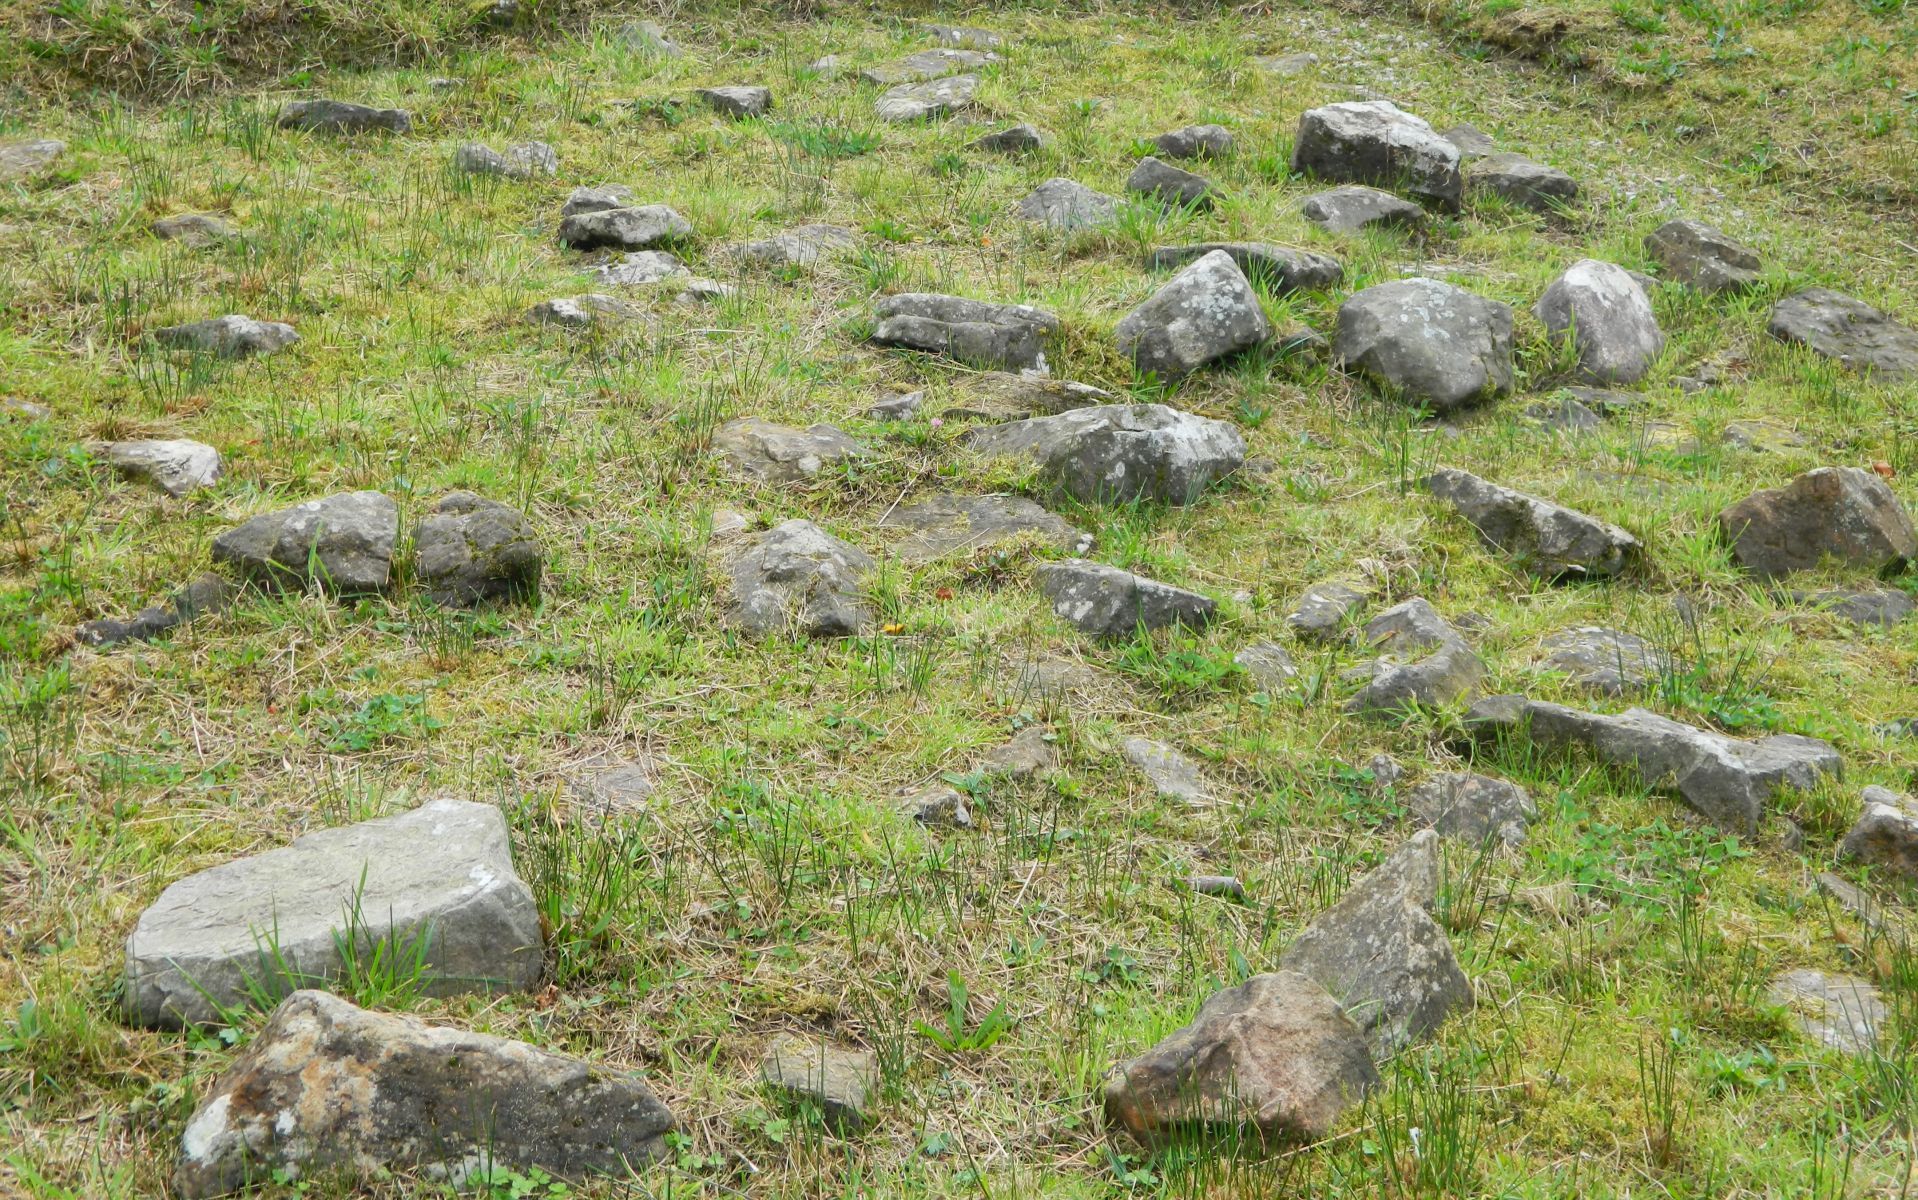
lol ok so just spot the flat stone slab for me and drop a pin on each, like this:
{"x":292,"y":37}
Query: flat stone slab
{"x":918,"y":101}
{"x":1885,"y":835}
{"x":776,"y":454}
{"x":802,"y":246}
{"x":979,"y":332}
{"x":632,"y":228}
{"x":1847,"y":329}
{"x":1173,"y":776}
{"x":1323,"y":611}
{"x":231,"y":336}
{"x":1474,"y":808}
{"x":1281,"y":268}
{"x":1841,"y":1012}
{"x":29,"y":156}
{"x":738,"y":100}
{"x":1354,"y":207}
{"x":1000,"y":396}
{"x":929,"y":64}
{"x":836,"y":1079}
{"x":946,"y":525}
{"x":1061,"y":203}
{"x":1268,"y":664}
{"x":176,"y":466}
{"x":1107,"y":602}
{"x":198,"y":230}
{"x":339,"y":116}
{"x":1608,"y":661}
{"x":1700,"y":255}
{"x":526,"y":160}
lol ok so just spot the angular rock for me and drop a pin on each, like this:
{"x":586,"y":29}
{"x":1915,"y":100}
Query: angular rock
{"x":738,"y":101}
{"x":1439,"y":345}
{"x":1518,"y":180}
{"x":1449,"y":670}
{"x":1564,"y":415}
{"x":939,"y":804}
{"x":1841,"y":513}
{"x":1172,"y":775}
{"x":527,"y":160}
{"x":1885,"y":834}
{"x":580,"y":312}
{"x":613,"y":784}
{"x":1168,"y":184}
{"x":1205,"y":312}
{"x":1375,"y":142}
{"x":1322,"y":612}
{"x":436,"y":883}
{"x":19,"y":159}
{"x":648,"y":38}
{"x":799,"y":247}
{"x":1195,"y":141}
{"x":1350,"y":209}
{"x":704,"y":291}
{"x":1268,"y":664}
{"x":1763,"y":436}
{"x":1003,"y":336}
{"x":839,"y":1081}
{"x":1474,"y":808}
{"x":469,"y":551}
{"x":1276,"y":1053}
{"x":918,"y":101}
{"x":597,"y":199}
{"x":1407,"y":628}
{"x":231,"y":336}
{"x":1471,"y":142}
{"x":1285,"y":64}
{"x":337,"y":116}
{"x":1698,"y":254}
{"x":964,"y":36}
{"x":1114,"y":453}
{"x":343,"y":543}
{"x":326,"y":1086}
{"x":623,"y":228}
{"x":1227,"y":887}
{"x":1550,"y":540}
{"x":1002,"y":396}
{"x":1608,"y":661}
{"x":176,"y":466}
{"x":1061,"y":203}
{"x":897,"y":408}
{"x":641,"y":267}
{"x":1842,"y":1012}
{"x":798,"y":578}
{"x":1030,"y":752}
{"x":1019,"y":139}
{"x":1106,"y":602}
{"x":779,"y":453}
{"x":1874,"y":608}
{"x":929,"y":64}
{"x":1281,"y":267}
{"x":1609,"y":320}
{"x":198,"y":230}
{"x":204,"y":596}
{"x":1847,"y":329}
{"x":946,"y":525}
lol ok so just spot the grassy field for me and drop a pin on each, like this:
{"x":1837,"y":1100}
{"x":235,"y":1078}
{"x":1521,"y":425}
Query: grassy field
{"x":1621,"y":1045}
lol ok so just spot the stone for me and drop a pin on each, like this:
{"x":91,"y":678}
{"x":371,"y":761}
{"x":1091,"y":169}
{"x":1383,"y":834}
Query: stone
{"x":1275,"y":1053}
{"x":1606,"y":402}
{"x":1281,"y":268}
{"x":1726,"y":779}
{"x":1847,"y":329}
{"x":1474,"y":808}
{"x":325,"y":1086}
{"x":1225,"y":887}
{"x":342,"y":543}
{"x":1116,"y":453}
{"x":1840,"y":1012}
{"x":1698,"y":254}
{"x":1000,"y":396}
{"x":1107,"y":602}
{"x":22,"y":158}
{"x":1607,"y":661}
{"x":797,"y":578}
{"x":1285,"y":64}
{"x":1763,"y":436}
{"x":176,"y":466}
{"x":964,"y":36}
{"x":641,"y":267}
{"x":1551,"y":541}
{"x":436,"y":882}
{"x":581,"y":312}
{"x":1385,"y":771}
{"x":198,"y":230}
{"x":1380,"y":954}
{"x":26,"y":410}
{"x":1518,"y":180}
{"x":336,"y":116}
{"x":902,"y":407}
{"x":1399,"y":685}
{"x":838,"y":1081}
{"x":231,"y":336}
{"x":777,"y":454}
{"x":1061,"y":203}
{"x":1350,"y":209}
{"x":948,"y":524}
{"x":1204,"y":313}
{"x":648,"y":38}
{"x":1375,"y":142}
{"x":1000,"y":336}
{"x":1018,"y":139}
{"x":528,"y":160}
{"x":1608,"y":318}
{"x":802,"y":246}
{"x":1841,"y":513}
{"x":1269,"y":665}
{"x":470,"y":551}
{"x":918,"y":101}
{"x":1437,"y":345}
{"x":1877,"y":608}
{"x":1564,"y":415}
{"x":1029,"y":752}
{"x":929,"y":64}
{"x":1856,"y":901}
{"x":1167,"y":184}
{"x":738,"y":101}
{"x":1172,"y":775}
{"x":613,"y":784}
{"x":206,"y":595}
{"x":704,"y":291}
{"x":1195,"y":141}
{"x":1322,"y":613}
{"x":1408,"y":628}
{"x":1056,"y":680}
{"x":623,"y":228}
{"x":1471,"y":142}
{"x":1886,"y":833}
{"x":939,"y":804}
{"x":597,"y":199}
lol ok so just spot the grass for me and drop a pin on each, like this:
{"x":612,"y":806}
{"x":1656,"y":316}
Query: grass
{"x":770,"y":885}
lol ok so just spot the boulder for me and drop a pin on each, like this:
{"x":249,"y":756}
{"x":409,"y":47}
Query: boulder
{"x":623,"y":228}
{"x":206,"y":595}
{"x":738,"y":101}
{"x":1474,"y":808}
{"x":641,"y":267}
{"x":1350,"y":209}
{"x":1886,"y":833}
{"x":798,"y":578}
{"x":1322,"y":612}
{"x":1205,"y":312}
{"x":1448,"y":670}
{"x":1375,"y":142}
{"x":597,"y":199}
{"x":198,"y":230}
{"x":1167,"y":184}
{"x":176,"y":466}
{"x":1841,"y":1012}
{"x":1195,"y":141}
{"x":918,"y":101}
{"x":1840,"y":513}
{"x":838,"y":1081}
{"x":342,"y":543}
{"x":946,"y":525}
{"x":28,"y":156}
{"x":1871,"y":608}
{"x":1438,"y":345}
{"x":929,"y":64}
{"x":325,"y":1086}
{"x":1018,"y":139}
{"x":469,"y":550}
{"x":1275,"y":1053}
{"x":580,"y":312}
{"x":527,"y":160}
{"x":231,"y":336}
{"x":1518,"y":180}
{"x":1282,"y":268}
{"x":337,"y":116}
{"x":1697,"y":254}
{"x":1549,"y":540}
{"x":1608,"y":318}
{"x":434,"y":884}
{"x":1115,"y":453}
{"x":1061,"y":203}
{"x":1847,"y":329}
{"x":1106,"y":602}
{"x":1268,"y":664}
{"x":799,"y":247}
{"x":1608,"y":661}
{"x":779,"y":454}
{"x":1172,"y":775}
{"x":1002,"y":336}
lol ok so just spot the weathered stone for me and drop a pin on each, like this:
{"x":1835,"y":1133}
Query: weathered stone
{"x":527,"y":160}
{"x":1847,"y":329}
{"x":1763,"y":436}
{"x":469,"y":551}
{"x":798,"y":578}
{"x":613,"y":784}
{"x":1322,"y":612}
{"x":778,"y":454}
{"x":198,"y":230}
{"x":1350,"y":209}
{"x":30,"y":156}
{"x":336,"y":116}
{"x":799,"y":247}
{"x":1285,"y":64}
{"x":1438,"y":345}
{"x":1276,"y":1053}
{"x":582,"y":311}
{"x":1885,"y":834}
{"x":1698,"y":254}
{"x":1518,"y":180}
{"x":1471,"y":142}
{"x":1856,"y":901}
{"x":1281,"y":267}
{"x":648,"y":38}
{"x":929,"y":64}
{"x":918,"y":101}
{"x":903,"y":407}
{"x":738,"y":101}
{"x":1841,"y":513}
{"x":937,"y":804}
{"x":1550,"y":540}
{"x":597,"y":199}
{"x":342,"y":543}
{"x":1375,"y":142}
{"x":25,"y":410}
{"x":1226,"y":887}
{"x":1114,"y":453}
{"x":1407,"y":628}
{"x":946,"y":525}
{"x":1062,"y":203}
{"x":965,"y":37}
{"x":1842,"y":1012}
{"x":1167,"y":184}
{"x":1195,"y":141}
{"x":704,"y":291}
{"x":436,"y":883}
{"x":1878,"y":608}
{"x":1205,"y":312}
{"x":1608,"y":318}
{"x":1106,"y":602}
{"x":1448,"y":672}
{"x":1172,"y":775}
{"x":1002,"y":336}
{"x":1019,"y":139}
{"x":204,"y":596}
{"x":1029,"y":752}
{"x":1268,"y":664}
{"x":177,"y":467}
{"x":325,"y":1086}
{"x":1564,"y":415}
{"x":1002,"y":396}
{"x":231,"y":336}
{"x":1608,"y":661}
{"x":837,"y":1080}
{"x":641,"y":267}
{"x":623,"y":228}
{"x":1474,"y":808}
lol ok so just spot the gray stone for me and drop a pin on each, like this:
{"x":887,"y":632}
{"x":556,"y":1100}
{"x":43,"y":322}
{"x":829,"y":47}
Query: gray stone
{"x":1606,"y":402}
{"x":581,"y":312}
{"x":1225,"y":887}
{"x":777,"y":454}
{"x":929,"y":64}
{"x":1876,"y":608}
{"x":1285,"y":64}
{"x":1029,"y":752}
{"x":902,"y":407}
{"x":1763,"y":436}
{"x":918,"y":101}
{"x":837,"y":1080}
{"x":648,"y":38}
{"x":597,"y":199}
{"x":26,"y":410}
{"x":1350,"y":209}
{"x":527,"y":160}
{"x":704,"y":291}
{"x":641,"y":267}
{"x":342,"y":543}
{"x":1323,"y":611}
{"x":436,"y":882}
{"x":1061,"y":203}
{"x":1886,"y":833}
{"x":1847,"y":329}
{"x":738,"y":101}
{"x":204,"y":596}
{"x":1195,"y":141}
{"x":1282,"y":268}
{"x":965,"y":37}
{"x":623,"y":228}
{"x":1019,"y":139}
{"x":1205,"y":312}
{"x":1564,"y":415}
{"x":803,"y":246}
{"x":1375,"y":142}
{"x":327,"y":1087}
{"x":1698,"y":254}
{"x":1172,"y":775}
{"x":1002,"y":396}
{"x":470,"y":551}
{"x":798,"y":578}
{"x":198,"y":230}
{"x":1474,"y":808}
{"x":1106,"y":602}
{"x":1001,"y":336}
{"x":30,"y":156}
{"x":1550,"y":540}
{"x":1841,"y":1012}
{"x":1408,"y":628}
{"x":612,"y":784}
{"x":1518,"y":180}
{"x":1438,"y":345}
{"x":1268,"y":664}
{"x":1608,"y":318}
{"x":1167,"y":184}
{"x":231,"y":336}
{"x":176,"y":466}
{"x":1471,"y":142}
{"x":1275,"y":1053}
{"x":944,"y":525}
{"x":336,"y":116}
{"x":938,"y":804}
{"x":1115,"y":453}
{"x":1840,"y":513}
{"x":1385,"y":771}
{"x":1608,"y":661}
{"x":1399,"y":685}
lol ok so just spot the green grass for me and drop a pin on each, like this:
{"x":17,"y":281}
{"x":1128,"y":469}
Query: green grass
{"x":1621,"y":1045}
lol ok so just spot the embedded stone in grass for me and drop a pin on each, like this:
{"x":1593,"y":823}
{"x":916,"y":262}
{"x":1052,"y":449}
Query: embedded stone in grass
{"x":943,"y":525}
{"x":231,"y":336}
{"x":928,"y":65}
{"x":433,"y":888}
{"x":1409,"y":627}
{"x":1172,"y":775}
{"x":937,"y":804}
{"x":641,"y":267}
{"x":328,"y":1087}
{"x":1471,"y":142}
{"x":1872,"y":608}
{"x":839,"y":1081}
{"x":1276,"y":1053}
{"x":1270,"y":667}
{"x":1001,"y":336}
{"x":613,"y":784}
{"x":339,"y":116}
{"x":1886,"y":833}
{"x":580,"y":312}
{"x":1285,"y":64}
{"x":176,"y":466}
{"x":597,"y":199}
{"x":470,"y":551}
{"x":26,"y":410}
{"x":902,"y":407}
{"x":1018,"y":139}
{"x":1002,"y":396}
{"x":1848,"y":330}
{"x":527,"y":160}
{"x":1448,"y":672}
{"x":802,"y":246}
{"x":29,"y":156}
{"x":206,"y":595}
{"x":1350,"y":209}
{"x":1435,"y":344}
{"x":648,"y":38}
{"x":1116,"y":453}
{"x":1608,"y":661}
{"x":965,"y":37}
{"x":1195,"y":141}
{"x":1700,"y":255}
{"x":1762,"y":436}
{"x":704,"y":291}
{"x":1521,"y":181}
{"x":1547,"y":539}
{"x":778,"y":454}
{"x":738,"y":101}
{"x":1204,"y":313}
{"x":797,"y":578}
{"x":1225,"y":887}
{"x":1566,"y":414}
{"x":1106,"y":602}
{"x":1028,"y":753}
{"x":341,"y":543}
{"x":198,"y":230}
{"x":1167,"y":184}
{"x":918,"y":101}
{"x":1608,"y":318}
{"x":1323,"y":611}
{"x":1474,"y":808}
{"x":1282,"y":268}
{"x":1839,"y":513}
{"x":1061,"y":203}
{"x":1841,"y":1012}
{"x":1376,"y":142}
{"x":623,"y":228}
